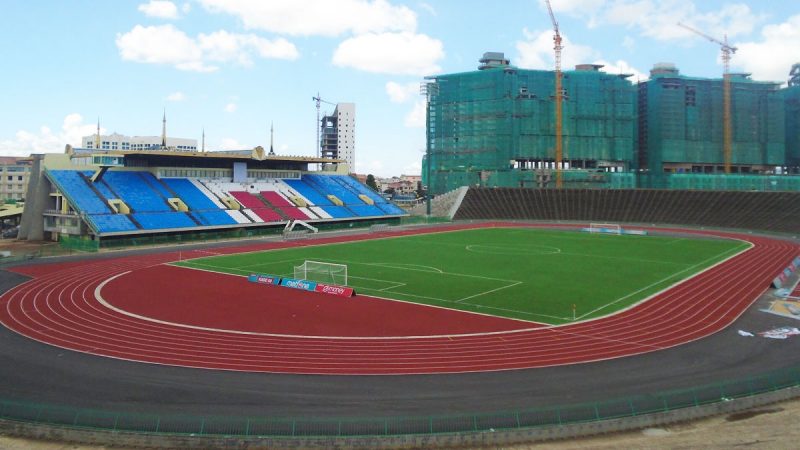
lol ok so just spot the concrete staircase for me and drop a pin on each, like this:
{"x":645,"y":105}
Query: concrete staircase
{"x":444,"y":205}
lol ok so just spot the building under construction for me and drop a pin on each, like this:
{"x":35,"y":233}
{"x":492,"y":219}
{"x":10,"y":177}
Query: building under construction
{"x":496,"y":127}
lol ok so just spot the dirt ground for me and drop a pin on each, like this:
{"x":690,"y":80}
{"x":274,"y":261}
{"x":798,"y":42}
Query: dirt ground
{"x":768,"y":427}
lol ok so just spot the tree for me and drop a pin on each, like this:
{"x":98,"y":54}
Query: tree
{"x":371,"y":183}
{"x":420,"y":190}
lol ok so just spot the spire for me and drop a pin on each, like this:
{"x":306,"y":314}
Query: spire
{"x":164,"y":130}
{"x":97,"y":136}
{"x":203,"y":148}
{"x":271,"y":138}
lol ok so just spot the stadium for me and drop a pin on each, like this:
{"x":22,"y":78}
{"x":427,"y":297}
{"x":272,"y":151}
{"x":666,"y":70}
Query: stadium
{"x":252,"y":299}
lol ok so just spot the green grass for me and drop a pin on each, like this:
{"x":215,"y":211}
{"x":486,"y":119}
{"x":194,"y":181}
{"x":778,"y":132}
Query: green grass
{"x":522,"y":273}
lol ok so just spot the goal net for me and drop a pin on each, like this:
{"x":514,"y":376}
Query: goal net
{"x":613,"y":228}
{"x":322,"y":272}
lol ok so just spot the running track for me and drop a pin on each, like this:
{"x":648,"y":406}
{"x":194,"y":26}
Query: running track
{"x":59,"y":307}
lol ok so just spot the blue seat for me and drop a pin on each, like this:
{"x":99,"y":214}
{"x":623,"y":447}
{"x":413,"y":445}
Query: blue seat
{"x":366,"y":210}
{"x":338,"y":212}
{"x":107,"y":223}
{"x":308,"y":192}
{"x":135,"y":192}
{"x":164,"y":220}
{"x":359,"y":188}
{"x":190,"y":194}
{"x":326,"y":185}
{"x":218,"y":217}
{"x":78,"y":191}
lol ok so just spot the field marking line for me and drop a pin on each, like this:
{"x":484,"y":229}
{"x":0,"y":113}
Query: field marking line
{"x":623,"y":258}
{"x":470,"y":304}
{"x":102,"y":301}
{"x":489,"y":291}
{"x":512,"y":250}
{"x":736,"y":249}
{"x":427,"y":271}
{"x":405,"y":266}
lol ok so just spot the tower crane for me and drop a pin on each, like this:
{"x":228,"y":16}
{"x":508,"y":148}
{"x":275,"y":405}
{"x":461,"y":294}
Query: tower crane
{"x":559,"y":93}
{"x":727,"y":131}
{"x":319,"y":100}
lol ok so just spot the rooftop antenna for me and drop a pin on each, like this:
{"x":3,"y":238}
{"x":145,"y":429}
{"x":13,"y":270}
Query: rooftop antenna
{"x":164,"y":130}
{"x":97,"y":136}
{"x":271,"y":138}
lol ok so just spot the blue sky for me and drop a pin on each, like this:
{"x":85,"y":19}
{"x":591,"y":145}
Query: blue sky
{"x":234,"y":66}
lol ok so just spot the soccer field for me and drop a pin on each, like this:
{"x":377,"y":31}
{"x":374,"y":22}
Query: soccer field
{"x":522,"y":273}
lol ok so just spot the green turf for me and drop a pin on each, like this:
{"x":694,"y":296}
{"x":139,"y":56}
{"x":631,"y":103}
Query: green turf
{"x":521,"y":273}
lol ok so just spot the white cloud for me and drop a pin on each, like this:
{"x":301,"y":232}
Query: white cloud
{"x":168,"y":45}
{"x":369,"y":166}
{"x":416,"y":117}
{"x":401,"y":93}
{"x":317,"y":17}
{"x":231,"y":144}
{"x":659,"y":20}
{"x":395,"y":53}
{"x":772,"y":56}
{"x":46,"y":140}
{"x":176,"y":97}
{"x":429,"y":8}
{"x":574,"y":7}
{"x":536,"y":52}
{"x":230,"y":107}
{"x":161,"y":9}
{"x":223,"y":46}
{"x":186,"y":8}
{"x":629,"y":43}
{"x":622,"y":67}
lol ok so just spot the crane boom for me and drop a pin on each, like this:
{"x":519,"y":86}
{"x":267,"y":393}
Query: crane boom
{"x":557,"y":47}
{"x":727,"y":129}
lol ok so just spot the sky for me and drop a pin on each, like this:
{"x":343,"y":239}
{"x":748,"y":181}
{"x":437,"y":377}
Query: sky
{"x":233,"y":67}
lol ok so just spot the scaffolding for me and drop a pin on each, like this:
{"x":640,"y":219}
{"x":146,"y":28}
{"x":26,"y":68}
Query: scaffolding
{"x":681,"y":124}
{"x":491,"y":123}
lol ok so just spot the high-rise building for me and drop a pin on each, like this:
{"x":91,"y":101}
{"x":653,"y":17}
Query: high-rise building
{"x":337,"y":134}
{"x":681,"y":124}
{"x":495,"y":126}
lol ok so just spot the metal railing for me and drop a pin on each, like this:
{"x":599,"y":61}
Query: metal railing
{"x":178,"y":424}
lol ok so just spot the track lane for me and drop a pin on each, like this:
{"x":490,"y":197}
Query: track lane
{"x":60,"y":309}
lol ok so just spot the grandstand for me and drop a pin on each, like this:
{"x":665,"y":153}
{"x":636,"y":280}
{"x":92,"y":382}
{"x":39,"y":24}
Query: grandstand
{"x":767,"y":211}
{"x":95,"y":197}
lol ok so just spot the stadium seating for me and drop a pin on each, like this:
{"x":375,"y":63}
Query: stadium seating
{"x":190,"y":194}
{"x":770,"y":211}
{"x":109,"y":223}
{"x":136,"y":192}
{"x":308,"y":192}
{"x":163,"y":220}
{"x":326,"y":184}
{"x":74,"y":186}
{"x":270,"y":201}
{"x":213,"y":218}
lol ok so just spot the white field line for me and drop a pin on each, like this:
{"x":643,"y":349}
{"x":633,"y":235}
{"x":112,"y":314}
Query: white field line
{"x":489,"y":291}
{"x":404,"y":266}
{"x":623,"y":258}
{"x":664,"y":279}
{"x":99,"y":298}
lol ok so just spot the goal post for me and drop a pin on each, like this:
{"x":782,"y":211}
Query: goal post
{"x":322,"y":272}
{"x":611,"y":228}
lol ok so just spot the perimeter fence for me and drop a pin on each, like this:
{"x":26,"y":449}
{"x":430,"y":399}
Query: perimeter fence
{"x":214,"y":426}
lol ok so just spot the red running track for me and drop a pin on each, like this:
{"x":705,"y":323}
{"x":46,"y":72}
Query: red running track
{"x":59,"y":307}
